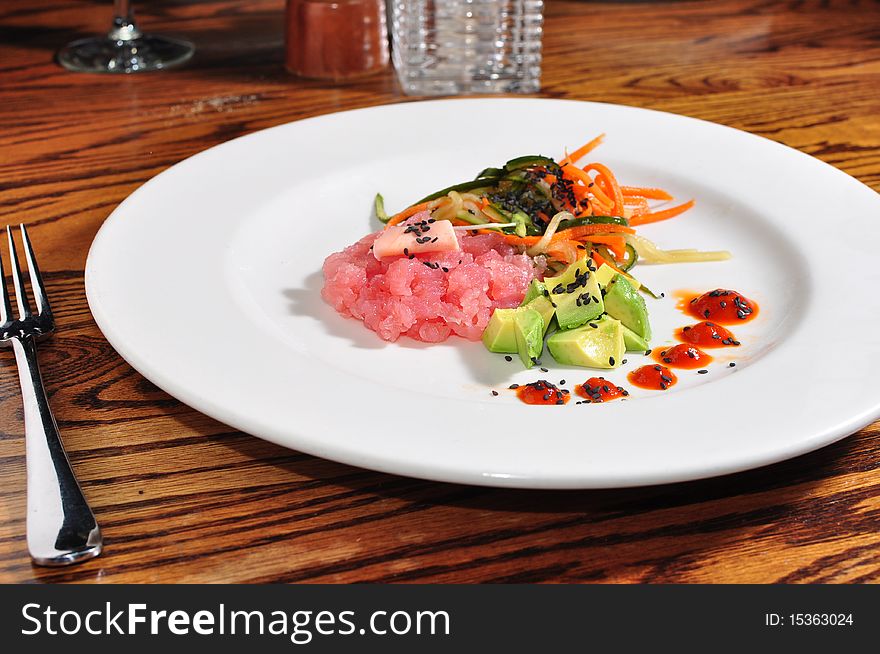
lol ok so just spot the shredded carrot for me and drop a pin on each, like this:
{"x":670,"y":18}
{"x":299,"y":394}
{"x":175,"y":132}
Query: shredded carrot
{"x":597,"y":258}
{"x":406,"y":213}
{"x":520,"y":240}
{"x":588,"y":230}
{"x":601,"y":200}
{"x":616,"y":243}
{"x":657,"y":216}
{"x":650,"y":193}
{"x":567,"y":249}
{"x":614,"y":188}
{"x":582,"y":151}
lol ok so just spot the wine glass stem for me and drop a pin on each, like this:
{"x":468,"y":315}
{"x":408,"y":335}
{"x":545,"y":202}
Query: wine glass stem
{"x":124,"y":28}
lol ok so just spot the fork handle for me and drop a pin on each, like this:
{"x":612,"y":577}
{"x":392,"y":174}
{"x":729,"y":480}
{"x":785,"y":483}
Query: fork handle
{"x":61,"y":528}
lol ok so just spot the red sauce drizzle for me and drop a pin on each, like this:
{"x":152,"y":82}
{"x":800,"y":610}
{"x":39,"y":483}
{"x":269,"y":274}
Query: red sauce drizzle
{"x":720,"y":305}
{"x":682,"y":356}
{"x":654,"y":378}
{"x":598,"y":389}
{"x":542,"y":392}
{"x":707,"y":334}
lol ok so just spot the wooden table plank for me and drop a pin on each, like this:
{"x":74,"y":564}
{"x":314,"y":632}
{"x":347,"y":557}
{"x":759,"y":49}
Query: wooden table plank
{"x":184,"y":498}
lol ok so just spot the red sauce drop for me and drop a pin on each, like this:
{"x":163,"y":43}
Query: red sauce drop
{"x":707,"y":334}
{"x":542,"y":392}
{"x":682,"y":356}
{"x":655,"y":378}
{"x":597,"y":389}
{"x":720,"y":305}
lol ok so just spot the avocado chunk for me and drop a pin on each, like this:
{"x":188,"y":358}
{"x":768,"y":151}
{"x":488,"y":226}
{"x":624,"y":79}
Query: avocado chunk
{"x":528,"y":327}
{"x":606,"y":273}
{"x":545,"y":307}
{"x":576,"y":294}
{"x":499,"y":335}
{"x":535,"y":289}
{"x":623,"y":302}
{"x":632,"y":341}
{"x":594,"y":345}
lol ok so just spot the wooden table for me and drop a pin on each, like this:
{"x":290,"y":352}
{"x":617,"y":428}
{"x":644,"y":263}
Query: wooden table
{"x":182,"y":498}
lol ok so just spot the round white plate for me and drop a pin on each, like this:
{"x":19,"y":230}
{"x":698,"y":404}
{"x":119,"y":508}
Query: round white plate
{"x":207,"y":280}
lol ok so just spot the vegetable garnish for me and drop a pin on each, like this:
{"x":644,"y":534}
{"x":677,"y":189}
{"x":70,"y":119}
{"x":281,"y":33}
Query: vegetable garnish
{"x":558,"y":209}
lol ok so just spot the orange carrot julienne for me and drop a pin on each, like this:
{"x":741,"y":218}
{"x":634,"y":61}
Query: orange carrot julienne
{"x":589,"y":230}
{"x":657,"y":216}
{"x":649,"y":193}
{"x":616,"y":243}
{"x":615,"y":193}
{"x":582,"y":151}
{"x":406,"y":213}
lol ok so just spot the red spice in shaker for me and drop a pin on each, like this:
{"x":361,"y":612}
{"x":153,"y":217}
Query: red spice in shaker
{"x":336,"y":39}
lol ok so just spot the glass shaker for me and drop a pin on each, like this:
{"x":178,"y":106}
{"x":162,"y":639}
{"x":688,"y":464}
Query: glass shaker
{"x":450,"y":47}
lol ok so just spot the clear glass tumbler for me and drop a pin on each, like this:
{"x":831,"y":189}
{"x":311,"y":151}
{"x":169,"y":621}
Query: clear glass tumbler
{"x":452,"y":47}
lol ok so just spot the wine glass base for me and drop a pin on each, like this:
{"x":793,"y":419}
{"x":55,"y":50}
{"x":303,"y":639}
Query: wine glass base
{"x":143,"y":54}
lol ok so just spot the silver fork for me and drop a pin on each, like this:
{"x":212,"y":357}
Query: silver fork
{"x":61,"y":528}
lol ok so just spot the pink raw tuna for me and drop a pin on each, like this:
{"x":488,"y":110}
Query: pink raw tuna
{"x":456,"y":294}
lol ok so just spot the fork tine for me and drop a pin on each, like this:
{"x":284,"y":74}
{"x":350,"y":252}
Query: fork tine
{"x":40,"y":297}
{"x":24,"y":307}
{"x":5,"y":309}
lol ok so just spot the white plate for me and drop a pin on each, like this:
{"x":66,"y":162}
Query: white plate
{"x":207,"y":281}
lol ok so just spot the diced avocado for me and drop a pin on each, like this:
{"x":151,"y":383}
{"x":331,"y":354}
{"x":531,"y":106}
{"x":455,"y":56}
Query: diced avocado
{"x":632,"y":341}
{"x":623,"y":302}
{"x":606,"y":273}
{"x":529,"y":330}
{"x":545,"y":307}
{"x":576,"y":294}
{"x":535,"y":289}
{"x":499,"y":333}
{"x":594,"y":345}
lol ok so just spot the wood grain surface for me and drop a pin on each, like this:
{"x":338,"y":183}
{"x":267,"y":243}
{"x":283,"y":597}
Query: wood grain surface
{"x":183,"y":498}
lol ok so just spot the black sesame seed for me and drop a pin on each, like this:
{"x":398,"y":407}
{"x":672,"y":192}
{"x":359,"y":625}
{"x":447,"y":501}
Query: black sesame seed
{"x":508,"y":358}
{"x":686,"y":329}
{"x":560,"y":401}
{"x":513,"y":387}
{"x":624,"y":361}
{"x":647,"y":352}
{"x":667,"y":360}
{"x":702,"y":372}
{"x":658,"y":368}
{"x":495,"y":393}
{"x":562,"y":382}
{"x":611,"y":361}
{"x":445,"y":269}
{"x":706,"y":313}
{"x":663,"y":295}
{"x":731,"y":365}
{"x":544,"y":370}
